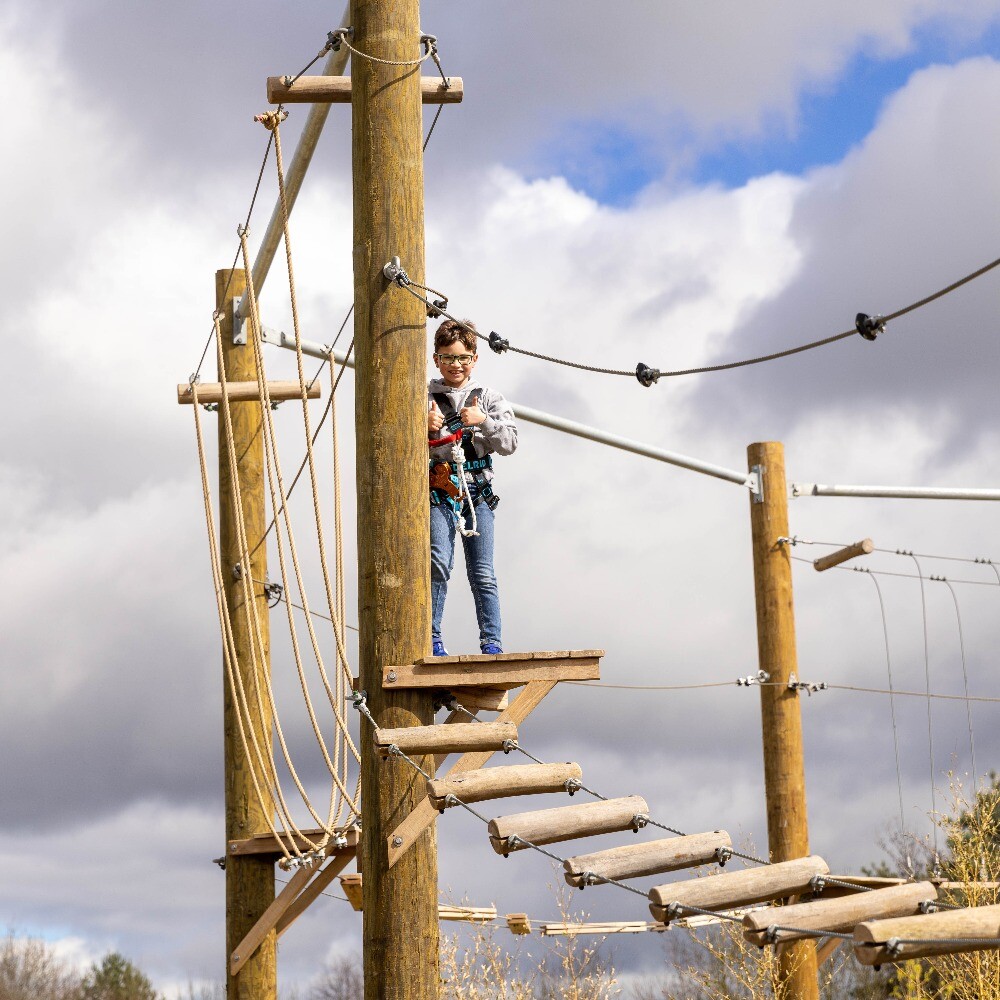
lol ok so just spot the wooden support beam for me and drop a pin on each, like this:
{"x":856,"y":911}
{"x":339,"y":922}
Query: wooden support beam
{"x":312,"y":891}
{"x":337,"y":90}
{"x":211,"y":392}
{"x":458,"y":737}
{"x":266,"y":843}
{"x":518,"y":923}
{"x":353,"y":889}
{"x":424,"y":814}
{"x":502,"y":782}
{"x":467,"y":914}
{"x":879,"y":942}
{"x":571,"y":929}
{"x":863,"y":548}
{"x":552,"y":826}
{"x":269,"y":919}
{"x":838,"y":914}
{"x":501,"y":670}
{"x":650,"y":858}
{"x":732,"y":889}
{"x":482,"y":699}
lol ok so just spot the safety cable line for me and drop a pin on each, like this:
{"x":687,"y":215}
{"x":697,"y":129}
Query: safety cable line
{"x":976,"y":560}
{"x":253,"y":201}
{"x":309,"y":611}
{"x":909,"y":576}
{"x":965,"y":679}
{"x":866,"y":326}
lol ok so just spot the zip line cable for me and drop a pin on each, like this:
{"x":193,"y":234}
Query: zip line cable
{"x":868,"y":327}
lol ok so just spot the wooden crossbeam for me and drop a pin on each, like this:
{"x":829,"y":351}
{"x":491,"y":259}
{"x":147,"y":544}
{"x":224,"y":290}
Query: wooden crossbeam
{"x":240,"y":392}
{"x":482,"y":698}
{"x":337,"y":90}
{"x":468,"y":914}
{"x":570,"y":929}
{"x":863,"y":548}
{"x":265,"y":843}
{"x":518,"y":923}
{"x":878,"y":942}
{"x":406,"y":834}
{"x":351,"y":884}
{"x":501,"y":670}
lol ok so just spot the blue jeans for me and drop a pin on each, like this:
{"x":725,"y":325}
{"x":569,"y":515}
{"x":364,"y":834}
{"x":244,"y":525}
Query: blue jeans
{"x":478,"y":564}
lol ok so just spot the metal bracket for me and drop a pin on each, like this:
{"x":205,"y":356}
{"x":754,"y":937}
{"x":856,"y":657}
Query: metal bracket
{"x":755,"y":482}
{"x":802,"y":489}
{"x":239,"y":324}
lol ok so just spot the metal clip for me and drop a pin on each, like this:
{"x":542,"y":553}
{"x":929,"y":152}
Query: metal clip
{"x":758,"y":678}
{"x":647,"y":376}
{"x":393,"y":271}
{"x":869,"y":326}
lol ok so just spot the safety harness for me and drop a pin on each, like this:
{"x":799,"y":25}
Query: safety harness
{"x":448,"y":484}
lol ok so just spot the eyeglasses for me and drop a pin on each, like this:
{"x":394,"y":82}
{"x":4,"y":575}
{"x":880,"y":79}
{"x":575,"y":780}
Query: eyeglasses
{"x":451,"y":359}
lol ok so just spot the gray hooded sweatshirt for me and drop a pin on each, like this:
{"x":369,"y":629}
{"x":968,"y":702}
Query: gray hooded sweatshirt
{"x":496,"y":435}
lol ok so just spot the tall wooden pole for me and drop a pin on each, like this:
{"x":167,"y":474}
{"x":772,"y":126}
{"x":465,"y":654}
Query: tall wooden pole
{"x":249,"y":880}
{"x":400,"y":904}
{"x":784,"y":772}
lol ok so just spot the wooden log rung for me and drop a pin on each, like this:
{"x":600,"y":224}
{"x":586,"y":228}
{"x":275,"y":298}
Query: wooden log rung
{"x":502,"y":782}
{"x":456,"y":737}
{"x":337,"y":90}
{"x":351,"y":884}
{"x":734,"y":889}
{"x":879,"y":942}
{"x":863,"y":548}
{"x":518,"y":923}
{"x":841,"y":913}
{"x":552,"y":826}
{"x":240,"y":392}
{"x":653,"y":857}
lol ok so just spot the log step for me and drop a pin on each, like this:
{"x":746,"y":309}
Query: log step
{"x":734,"y":889}
{"x":550,"y":826}
{"x":874,"y":940}
{"x":840,"y":914}
{"x":651,"y":858}
{"x":455,"y":737}
{"x":502,"y":782}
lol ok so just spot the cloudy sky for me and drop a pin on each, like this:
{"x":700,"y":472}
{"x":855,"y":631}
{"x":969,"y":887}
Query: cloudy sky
{"x":678,"y":184}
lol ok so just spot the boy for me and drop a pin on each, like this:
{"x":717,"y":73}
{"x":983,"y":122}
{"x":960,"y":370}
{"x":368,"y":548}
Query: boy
{"x":481,"y":422}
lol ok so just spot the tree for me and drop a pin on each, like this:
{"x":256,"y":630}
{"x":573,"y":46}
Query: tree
{"x":31,"y":970}
{"x":341,"y":980}
{"x":116,"y":978}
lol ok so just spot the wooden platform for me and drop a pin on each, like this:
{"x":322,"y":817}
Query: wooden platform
{"x":500,"y":670}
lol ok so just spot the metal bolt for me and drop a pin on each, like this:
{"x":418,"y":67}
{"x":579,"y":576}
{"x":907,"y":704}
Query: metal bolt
{"x":232,"y":846}
{"x":391,"y":676}
{"x":236,"y":958}
{"x":397,"y":841}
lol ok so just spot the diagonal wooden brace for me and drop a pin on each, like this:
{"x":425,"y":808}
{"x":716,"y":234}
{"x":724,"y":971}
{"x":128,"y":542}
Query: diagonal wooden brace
{"x":406,"y":834}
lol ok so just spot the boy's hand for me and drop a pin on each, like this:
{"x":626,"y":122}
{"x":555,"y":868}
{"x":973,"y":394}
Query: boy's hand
{"x":435,"y":419}
{"x":472,"y":415}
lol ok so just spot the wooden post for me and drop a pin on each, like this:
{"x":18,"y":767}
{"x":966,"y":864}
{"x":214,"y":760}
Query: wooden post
{"x":390,"y":328}
{"x":784,"y":772}
{"x":249,"y":878}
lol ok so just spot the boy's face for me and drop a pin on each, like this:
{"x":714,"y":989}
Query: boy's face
{"x":455,"y":363}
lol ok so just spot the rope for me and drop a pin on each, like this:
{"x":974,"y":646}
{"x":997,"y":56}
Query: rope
{"x":340,"y":36}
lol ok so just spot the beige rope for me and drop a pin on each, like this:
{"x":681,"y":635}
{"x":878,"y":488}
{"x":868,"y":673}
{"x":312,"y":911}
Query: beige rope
{"x":279,"y":502}
{"x":342,"y":33}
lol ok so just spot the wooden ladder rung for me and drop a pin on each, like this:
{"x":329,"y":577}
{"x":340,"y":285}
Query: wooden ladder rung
{"x":653,"y":857}
{"x":872,"y":939}
{"x":550,"y":826}
{"x":502,"y":782}
{"x":841,"y":913}
{"x":456,"y":737}
{"x":240,"y":392}
{"x":351,"y":884}
{"x":733,"y":889}
{"x":518,"y":923}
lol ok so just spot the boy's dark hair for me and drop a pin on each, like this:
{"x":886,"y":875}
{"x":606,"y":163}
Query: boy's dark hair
{"x":451,"y":330}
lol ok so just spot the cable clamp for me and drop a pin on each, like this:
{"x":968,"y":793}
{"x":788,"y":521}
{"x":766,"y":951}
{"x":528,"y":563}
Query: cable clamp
{"x":761,"y":677}
{"x":639,"y":820}
{"x":817,"y":883}
{"x":928,"y":906}
{"x":589,"y":878}
{"x":647,"y":376}
{"x":771,"y":934}
{"x":429,"y":42}
{"x":434,"y":308}
{"x":869,"y":326}
{"x":210,"y":407}
{"x":675,"y":910}
{"x":498,"y":344}
{"x":237,"y":572}
{"x":893,"y":946}
{"x":452,"y":800}
{"x":938,"y":579}
{"x":722,"y":855}
{"x":393,"y":271}
{"x":337,"y":37}
{"x":273,"y":592}
{"x":221,"y":862}
{"x":794,"y":684}
{"x":393,"y":751}
{"x":573,"y":785}
{"x":508,"y":745}
{"x":794,"y":540}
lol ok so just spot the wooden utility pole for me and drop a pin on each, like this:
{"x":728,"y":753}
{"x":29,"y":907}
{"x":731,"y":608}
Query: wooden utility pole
{"x":400,"y":905}
{"x":249,"y":879}
{"x":784,"y":772}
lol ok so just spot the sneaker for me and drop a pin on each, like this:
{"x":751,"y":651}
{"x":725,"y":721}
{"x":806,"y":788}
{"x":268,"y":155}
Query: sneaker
{"x":491,"y":648}
{"x":437,"y":648}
